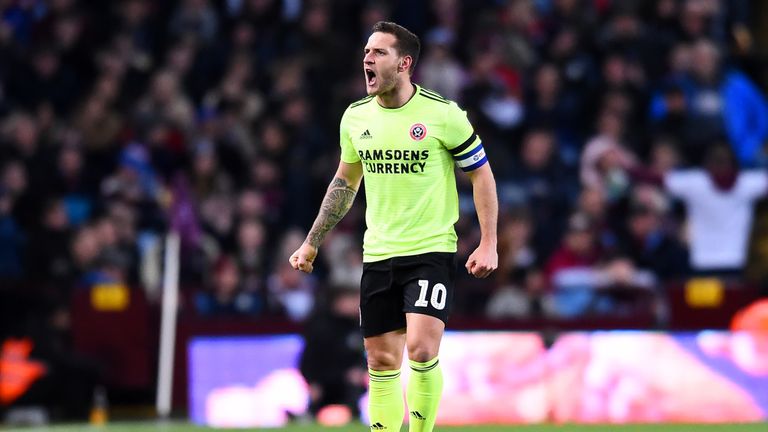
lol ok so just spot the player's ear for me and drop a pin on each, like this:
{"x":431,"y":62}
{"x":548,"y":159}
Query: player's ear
{"x":405,"y":64}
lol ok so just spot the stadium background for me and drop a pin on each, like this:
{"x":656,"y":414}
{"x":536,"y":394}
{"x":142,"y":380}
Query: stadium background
{"x":123,"y":120}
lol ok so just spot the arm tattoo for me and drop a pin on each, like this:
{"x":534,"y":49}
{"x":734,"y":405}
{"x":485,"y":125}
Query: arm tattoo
{"x":338,"y":199}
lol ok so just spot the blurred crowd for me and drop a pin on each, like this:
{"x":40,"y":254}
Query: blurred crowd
{"x":627,"y":138}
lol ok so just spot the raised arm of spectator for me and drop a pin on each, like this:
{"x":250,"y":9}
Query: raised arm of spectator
{"x":749,"y":123}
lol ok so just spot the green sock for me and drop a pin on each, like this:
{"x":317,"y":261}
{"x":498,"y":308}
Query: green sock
{"x":424,"y":389}
{"x":385,"y":401}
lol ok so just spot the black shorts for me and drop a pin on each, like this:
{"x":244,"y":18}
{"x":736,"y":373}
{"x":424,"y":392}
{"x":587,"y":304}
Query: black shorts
{"x":393,"y":287}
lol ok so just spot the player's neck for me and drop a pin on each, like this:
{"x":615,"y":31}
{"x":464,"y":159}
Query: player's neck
{"x":398,"y":96}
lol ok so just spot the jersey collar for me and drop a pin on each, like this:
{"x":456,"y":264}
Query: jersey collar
{"x":417,"y":90}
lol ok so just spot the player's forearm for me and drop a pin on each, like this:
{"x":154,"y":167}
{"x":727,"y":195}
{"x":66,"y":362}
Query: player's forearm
{"x":337,"y":202}
{"x":486,"y":203}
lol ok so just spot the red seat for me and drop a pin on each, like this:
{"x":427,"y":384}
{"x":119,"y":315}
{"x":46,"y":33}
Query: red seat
{"x":686,"y":316}
{"x":122,"y":340}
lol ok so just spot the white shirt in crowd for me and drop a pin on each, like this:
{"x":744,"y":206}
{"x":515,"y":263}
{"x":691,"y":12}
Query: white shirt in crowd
{"x":719,"y":220}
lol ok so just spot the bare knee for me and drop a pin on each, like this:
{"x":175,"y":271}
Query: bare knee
{"x":422,"y":351}
{"x":385,"y":352}
{"x":423,"y":339}
{"x":383,"y":359}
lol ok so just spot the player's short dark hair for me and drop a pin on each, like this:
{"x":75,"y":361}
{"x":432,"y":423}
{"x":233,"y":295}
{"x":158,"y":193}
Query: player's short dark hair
{"x":407,"y":43}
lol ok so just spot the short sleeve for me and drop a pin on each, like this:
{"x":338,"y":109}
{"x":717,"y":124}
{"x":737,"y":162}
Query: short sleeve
{"x":457,"y":127}
{"x":753,"y":184}
{"x":683,"y":183}
{"x":461,"y":141}
{"x":348,"y":153}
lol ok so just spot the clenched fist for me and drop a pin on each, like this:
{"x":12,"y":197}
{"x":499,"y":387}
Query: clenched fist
{"x":483,"y":261}
{"x":303,"y":258}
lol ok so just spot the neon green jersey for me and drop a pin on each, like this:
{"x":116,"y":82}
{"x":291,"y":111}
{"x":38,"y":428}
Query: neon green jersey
{"x":408,"y":155}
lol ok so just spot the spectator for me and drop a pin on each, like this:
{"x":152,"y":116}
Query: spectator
{"x":14,"y":180}
{"x":118,"y":247}
{"x":626,"y":36}
{"x":235,"y":145}
{"x":85,"y":250}
{"x":541,"y":183}
{"x":217,"y":218}
{"x":11,"y":240}
{"x":109,"y":268}
{"x":547,"y":105}
{"x":225,"y":296}
{"x":515,"y":251}
{"x":123,"y":219}
{"x":165,"y":101}
{"x":570,"y":270}
{"x":522,"y":296}
{"x":517,"y":289}
{"x":235,"y":91}
{"x":44,"y":78}
{"x":605,"y":163}
{"x":195,"y":18}
{"x":250,"y":204}
{"x":344,"y":260}
{"x":592,"y":203}
{"x":70,"y":180}
{"x":493,"y":94}
{"x":21,"y":136}
{"x":579,"y":250}
{"x":333,"y":366}
{"x":250,"y":253}
{"x":674,"y":122}
{"x":568,"y":50}
{"x":291,"y":293}
{"x":48,"y":252}
{"x":664,"y":157}
{"x":135,"y":180}
{"x":720,"y":102}
{"x":439,"y":70}
{"x":583,"y":278}
{"x":274,"y":142}
{"x":98,"y":123}
{"x":719,"y":200}
{"x":650,"y":246}
{"x":517,"y":31}
{"x":623,"y":93}
{"x":696,"y":19}
{"x":207,"y":178}
{"x":135,"y":18}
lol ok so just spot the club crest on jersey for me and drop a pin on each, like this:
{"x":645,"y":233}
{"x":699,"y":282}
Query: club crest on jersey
{"x":418,"y":132}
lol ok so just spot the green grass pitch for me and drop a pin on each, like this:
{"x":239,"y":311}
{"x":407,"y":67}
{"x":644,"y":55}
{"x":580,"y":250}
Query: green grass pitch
{"x":184,"y":427}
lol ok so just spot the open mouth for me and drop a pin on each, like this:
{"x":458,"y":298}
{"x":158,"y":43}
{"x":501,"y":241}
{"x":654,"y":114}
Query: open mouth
{"x":370,"y":77}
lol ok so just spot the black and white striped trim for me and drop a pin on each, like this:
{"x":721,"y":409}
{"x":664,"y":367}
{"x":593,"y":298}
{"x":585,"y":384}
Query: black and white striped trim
{"x":383,"y":377}
{"x":426,"y":368}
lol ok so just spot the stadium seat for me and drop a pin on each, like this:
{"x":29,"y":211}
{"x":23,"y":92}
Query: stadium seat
{"x":123,"y":340}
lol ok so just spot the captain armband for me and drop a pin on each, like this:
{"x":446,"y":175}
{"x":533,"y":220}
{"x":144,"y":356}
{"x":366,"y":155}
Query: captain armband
{"x":472,"y":159}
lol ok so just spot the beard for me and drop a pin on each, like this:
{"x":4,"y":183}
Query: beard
{"x":387,"y":83}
